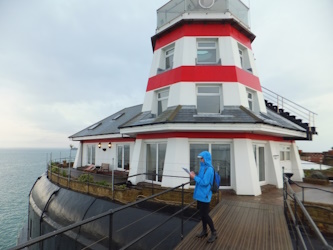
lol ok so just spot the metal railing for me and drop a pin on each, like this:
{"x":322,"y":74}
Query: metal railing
{"x":111,"y":213}
{"x":289,"y":106}
{"x":302,"y":238}
{"x":99,"y":178}
{"x":175,"y":8}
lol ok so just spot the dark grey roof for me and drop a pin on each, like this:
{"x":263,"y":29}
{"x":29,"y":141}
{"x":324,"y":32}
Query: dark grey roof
{"x":110,"y":125}
{"x":230,"y":114}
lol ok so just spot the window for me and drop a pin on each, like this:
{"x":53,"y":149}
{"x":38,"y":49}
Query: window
{"x":155,"y":157}
{"x":259,"y":157}
{"x":118,"y":116}
{"x":250,"y":100}
{"x":91,"y":154}
{"x":209,"y":99}
{"x":94,"y":126}
{"x":284,"y":153}
{"x":220,"y":159}
{"x":169,"y":58}
{"x":244,"y":58}
{"x":241,"y":57}
{"x":123,"y":155}
{"x":207,"y":51}
{"x":166,"y":60}
{"x":162,"y":100}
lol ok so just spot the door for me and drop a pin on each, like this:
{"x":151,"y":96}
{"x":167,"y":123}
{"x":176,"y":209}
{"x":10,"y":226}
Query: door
{"x":155,"y":157}
{"x":259,"y":156}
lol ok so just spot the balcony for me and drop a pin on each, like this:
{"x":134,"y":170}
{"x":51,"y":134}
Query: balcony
{"x":176,"y":8}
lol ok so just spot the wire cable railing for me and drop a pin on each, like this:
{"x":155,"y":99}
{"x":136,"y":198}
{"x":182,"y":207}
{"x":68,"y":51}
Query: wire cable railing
{"x":300,"y":229}
{"x":109,"y":236}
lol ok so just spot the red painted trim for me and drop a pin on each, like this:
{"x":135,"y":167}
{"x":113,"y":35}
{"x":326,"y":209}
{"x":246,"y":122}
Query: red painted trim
{"x":113,"y":140}
{"x":210,"y":135}
{"x":204,"y":74}
{"x":201,"y":30}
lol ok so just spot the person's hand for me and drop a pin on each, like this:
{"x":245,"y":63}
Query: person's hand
{"x":192,"y":175}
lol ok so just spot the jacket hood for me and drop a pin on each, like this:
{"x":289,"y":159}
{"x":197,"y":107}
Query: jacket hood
{"x":206,"y":156}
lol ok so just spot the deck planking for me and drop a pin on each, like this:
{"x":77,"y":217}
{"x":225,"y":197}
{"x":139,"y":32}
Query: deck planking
{"x":243,"y":225}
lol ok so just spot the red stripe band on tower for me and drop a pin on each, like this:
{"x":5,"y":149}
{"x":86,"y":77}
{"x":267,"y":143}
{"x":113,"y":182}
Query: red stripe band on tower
{"x":204,"y":74}
{"x":197,"y":30}
{"x":211,"y":135}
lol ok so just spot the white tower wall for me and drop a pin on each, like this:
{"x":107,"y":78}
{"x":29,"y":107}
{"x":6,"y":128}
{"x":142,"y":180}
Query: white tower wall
{"x":175,"y":160}
{"x":247,"y":180}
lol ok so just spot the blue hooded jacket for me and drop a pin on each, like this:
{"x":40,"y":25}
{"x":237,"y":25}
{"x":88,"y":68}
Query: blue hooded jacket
{"x":204,"y":179}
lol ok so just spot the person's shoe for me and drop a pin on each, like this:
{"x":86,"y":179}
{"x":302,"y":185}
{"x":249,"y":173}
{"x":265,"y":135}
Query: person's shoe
{"x":202,"y":234}
{"x":212,"y":237}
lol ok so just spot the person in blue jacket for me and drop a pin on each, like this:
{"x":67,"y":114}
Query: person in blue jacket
{"x":203,"y":193}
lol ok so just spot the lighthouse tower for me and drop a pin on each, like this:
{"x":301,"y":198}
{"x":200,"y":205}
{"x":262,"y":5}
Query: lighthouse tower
{"x":204,"y":93}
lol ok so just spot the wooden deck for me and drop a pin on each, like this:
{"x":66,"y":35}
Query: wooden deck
{"x":243,"y":225}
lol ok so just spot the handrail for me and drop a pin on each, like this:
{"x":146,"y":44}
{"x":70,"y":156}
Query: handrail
{"x":294,"y":216}
{"x":289,"y":100}
{"x":96,"y":217}
{"x":304,"y":187}
{"x":289,"y":106}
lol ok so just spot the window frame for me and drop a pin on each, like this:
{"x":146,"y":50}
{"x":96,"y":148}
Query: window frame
{"x":91,"y":154}
{"x":122,"y":146}
{"x":209,"y":146}
{"x":209,"y":95}
{"x":161,"y":99}
{"x":159,"y":175}
{"x":244,"y":58}
{"x":207,"y":40}
{"x":285,"y":153}
{"x":167,"y":56}
{"x":250,"y":100}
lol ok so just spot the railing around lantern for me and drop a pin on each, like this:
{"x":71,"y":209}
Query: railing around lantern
{"x":176,"y":8}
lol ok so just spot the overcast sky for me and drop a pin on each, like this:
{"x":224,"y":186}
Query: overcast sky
{"x":66,"y":64}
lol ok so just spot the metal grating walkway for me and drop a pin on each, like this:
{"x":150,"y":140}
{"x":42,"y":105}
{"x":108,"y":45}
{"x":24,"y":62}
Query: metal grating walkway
{"x":244,"y":225}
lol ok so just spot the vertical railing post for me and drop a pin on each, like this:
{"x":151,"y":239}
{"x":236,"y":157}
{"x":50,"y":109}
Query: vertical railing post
{"x":182,"y":221}
{"x":152,"y":184}
{"x":277,"y":103}
{"x":112,"y":179}
{"x":303,"y":195}
{"x":110,"y":230}
{"x":296,"y":220}
{"x":69,"y":174}
{"x":284,"y":193}
{"x":88,"y":184}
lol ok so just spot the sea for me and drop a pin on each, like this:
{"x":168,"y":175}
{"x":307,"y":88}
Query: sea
{"x":19,"y":169}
